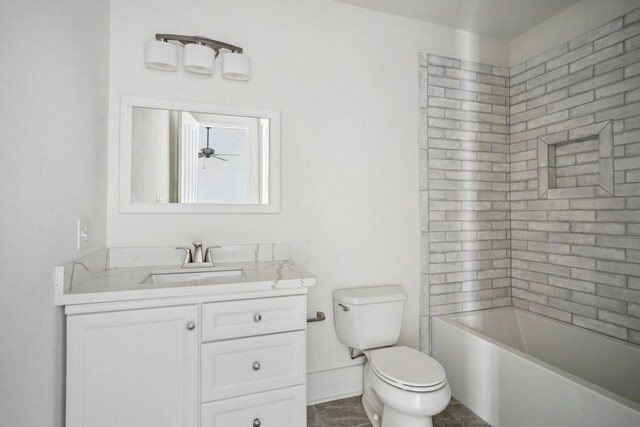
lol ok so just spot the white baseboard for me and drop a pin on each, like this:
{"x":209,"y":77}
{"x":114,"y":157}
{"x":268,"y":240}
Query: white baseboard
{"x":333,"y":384}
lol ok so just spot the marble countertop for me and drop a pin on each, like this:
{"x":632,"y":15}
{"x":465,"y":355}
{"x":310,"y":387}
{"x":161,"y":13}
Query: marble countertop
{"x":130,"y":283}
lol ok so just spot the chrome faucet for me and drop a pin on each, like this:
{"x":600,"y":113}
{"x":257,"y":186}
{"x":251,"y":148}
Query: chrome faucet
{"x":197,"y":258}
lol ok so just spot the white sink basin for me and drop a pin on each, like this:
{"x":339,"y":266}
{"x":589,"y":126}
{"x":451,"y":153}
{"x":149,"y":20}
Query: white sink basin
{"x":188,"y":277}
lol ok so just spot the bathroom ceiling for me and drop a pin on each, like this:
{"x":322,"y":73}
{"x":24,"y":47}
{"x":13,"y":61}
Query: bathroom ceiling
{"x":504,"y":19}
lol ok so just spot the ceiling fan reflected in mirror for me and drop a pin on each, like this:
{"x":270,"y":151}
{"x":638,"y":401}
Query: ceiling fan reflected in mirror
{"x":209,"y":152}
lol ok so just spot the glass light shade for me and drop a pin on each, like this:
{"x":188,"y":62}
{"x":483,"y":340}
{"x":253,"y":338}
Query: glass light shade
{"x":161,"y":55}
{"x":199,"y":59}
{"x":236,"y":66}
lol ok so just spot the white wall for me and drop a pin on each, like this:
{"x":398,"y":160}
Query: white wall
{"x":346,"y":81}
{"x":577,"y":19}
{"x":150,"y":155}
{"x":53,"y":107}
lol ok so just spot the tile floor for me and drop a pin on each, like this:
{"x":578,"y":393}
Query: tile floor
{"x":350,"y":413}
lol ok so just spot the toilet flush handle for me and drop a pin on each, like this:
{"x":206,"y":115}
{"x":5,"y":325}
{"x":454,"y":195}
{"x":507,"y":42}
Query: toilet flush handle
{"x":344,"y":307}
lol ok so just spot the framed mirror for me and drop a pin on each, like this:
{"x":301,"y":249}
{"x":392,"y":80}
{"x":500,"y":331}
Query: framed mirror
{"x":182,"y":157}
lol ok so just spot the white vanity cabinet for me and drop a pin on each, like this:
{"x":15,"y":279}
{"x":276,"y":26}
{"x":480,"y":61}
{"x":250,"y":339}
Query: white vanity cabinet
{"x":186,"y":363}
{"x":133,"y":368}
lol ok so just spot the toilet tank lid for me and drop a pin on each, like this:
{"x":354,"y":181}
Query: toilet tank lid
{"x":370,"y":295}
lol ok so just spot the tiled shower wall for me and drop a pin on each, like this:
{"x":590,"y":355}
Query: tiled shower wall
{"x":465,"y":187}
{"x":576,"y":250}
{"x":539,"y":214}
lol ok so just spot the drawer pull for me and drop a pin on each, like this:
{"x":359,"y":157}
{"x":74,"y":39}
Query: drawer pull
{"x":256,"y":366}
{"x":191,"y":326}
{"x":257,"y":423}
{"x":257,"y":318}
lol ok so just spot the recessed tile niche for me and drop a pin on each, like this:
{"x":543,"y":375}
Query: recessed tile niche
{"x":568,"y":163}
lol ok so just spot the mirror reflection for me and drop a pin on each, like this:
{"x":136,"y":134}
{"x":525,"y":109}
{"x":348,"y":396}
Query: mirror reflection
{"x":199,"y":158}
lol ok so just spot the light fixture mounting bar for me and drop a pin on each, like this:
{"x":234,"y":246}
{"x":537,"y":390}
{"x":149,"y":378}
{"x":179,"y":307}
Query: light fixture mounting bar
{"x":213,"y":44}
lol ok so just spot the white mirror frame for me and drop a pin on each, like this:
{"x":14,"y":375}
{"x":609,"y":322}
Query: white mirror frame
{"x":127,"y":103}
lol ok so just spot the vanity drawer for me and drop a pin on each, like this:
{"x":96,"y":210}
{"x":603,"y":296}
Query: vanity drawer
{"x":278,"y":408}
{"x":251,"y":365}
{"x":235,"y":319}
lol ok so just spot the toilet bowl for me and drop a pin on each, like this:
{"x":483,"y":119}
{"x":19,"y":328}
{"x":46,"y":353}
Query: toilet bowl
{"x":403,"y":387}
{"x":410,"y":386}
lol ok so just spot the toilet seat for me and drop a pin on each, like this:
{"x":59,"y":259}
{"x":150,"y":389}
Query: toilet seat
{"x":407,"y":369}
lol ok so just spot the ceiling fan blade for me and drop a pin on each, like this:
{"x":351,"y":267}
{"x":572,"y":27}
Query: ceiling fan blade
{"x":220,"y":158}
{"x":217,"y":154}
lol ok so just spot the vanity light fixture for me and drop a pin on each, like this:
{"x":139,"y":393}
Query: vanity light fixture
{"x":200,"y":54}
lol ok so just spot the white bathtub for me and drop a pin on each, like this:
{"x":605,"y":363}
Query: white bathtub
{"x":516,"y":369}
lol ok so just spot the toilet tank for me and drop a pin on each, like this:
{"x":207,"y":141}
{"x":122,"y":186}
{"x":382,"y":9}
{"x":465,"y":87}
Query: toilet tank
{"x":368,"y":317}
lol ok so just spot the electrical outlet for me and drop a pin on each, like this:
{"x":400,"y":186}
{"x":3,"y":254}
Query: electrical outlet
{"x":84,"y":234}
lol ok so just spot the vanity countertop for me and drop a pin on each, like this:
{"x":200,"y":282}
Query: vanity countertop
{"x":130,"y":283}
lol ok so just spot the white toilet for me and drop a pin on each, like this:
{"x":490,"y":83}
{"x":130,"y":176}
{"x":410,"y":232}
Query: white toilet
{"x":403,"y":387}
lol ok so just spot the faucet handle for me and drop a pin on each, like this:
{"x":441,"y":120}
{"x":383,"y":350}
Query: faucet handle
{"x":187,"y":254}
{"x":208,"y":257}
